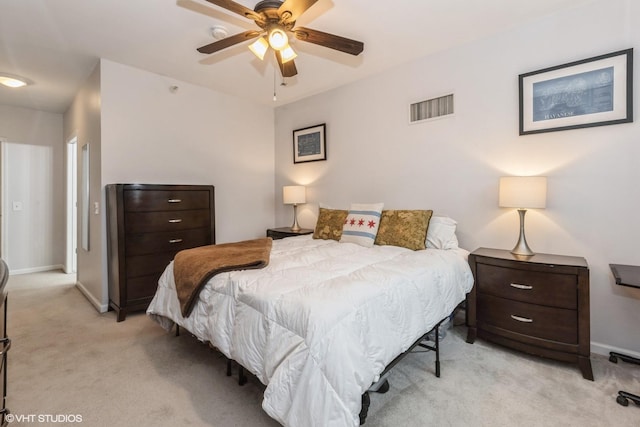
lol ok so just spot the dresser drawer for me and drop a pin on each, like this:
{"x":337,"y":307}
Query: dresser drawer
{"x":164,"y":200}
{"x":166,"y":241}
{"x":549,"y":323}
{"x":145,"y":222}
{"x":142,"y":287}
{"x":143,"y":265}
{"x":551,"y":289}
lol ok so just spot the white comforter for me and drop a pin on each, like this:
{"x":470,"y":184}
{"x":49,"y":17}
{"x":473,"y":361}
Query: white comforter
{"x":321,"y":322}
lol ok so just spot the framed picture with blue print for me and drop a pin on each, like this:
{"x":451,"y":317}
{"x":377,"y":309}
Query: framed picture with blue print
{"x":310,"y":144}
{"x":596,"y":91}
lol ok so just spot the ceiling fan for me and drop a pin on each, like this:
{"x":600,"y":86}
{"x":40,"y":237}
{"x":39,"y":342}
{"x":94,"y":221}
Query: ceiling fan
{"x":276,"y":19}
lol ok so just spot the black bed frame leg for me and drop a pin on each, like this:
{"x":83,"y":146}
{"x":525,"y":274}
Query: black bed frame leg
{"x":242,"y":378}
{"x":177,"y":330}
{"x":438,"y":350}
{"x":366,"y":401}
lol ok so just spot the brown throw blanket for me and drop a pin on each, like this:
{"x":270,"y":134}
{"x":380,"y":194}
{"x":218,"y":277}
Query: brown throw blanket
{"x":192,"y":268}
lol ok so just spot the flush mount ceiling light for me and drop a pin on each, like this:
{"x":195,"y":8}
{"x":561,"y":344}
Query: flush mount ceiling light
{"x":12,"y":81}
{"x":277,"y":20}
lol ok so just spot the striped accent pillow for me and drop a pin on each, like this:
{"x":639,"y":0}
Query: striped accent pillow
{"x":361,"y":225}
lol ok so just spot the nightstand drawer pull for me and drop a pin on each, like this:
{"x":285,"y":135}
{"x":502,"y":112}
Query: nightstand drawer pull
{"x":174,"y":200}
{"x":519,"y":286}
{"x":175,"y":240}
{"x":173,"y":221}
{"x":521,"y":319}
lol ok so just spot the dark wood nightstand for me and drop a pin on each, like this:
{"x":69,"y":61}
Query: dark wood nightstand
{"x":282,"y":232}
{"x":537,"y":304}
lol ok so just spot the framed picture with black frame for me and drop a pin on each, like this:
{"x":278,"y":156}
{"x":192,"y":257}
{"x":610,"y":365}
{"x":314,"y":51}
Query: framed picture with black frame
{"x":596,"y":91}
{"x":310,"y":144}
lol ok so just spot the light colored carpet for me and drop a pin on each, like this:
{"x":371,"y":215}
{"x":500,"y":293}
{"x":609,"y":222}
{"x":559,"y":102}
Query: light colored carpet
{"x":68,"y":359}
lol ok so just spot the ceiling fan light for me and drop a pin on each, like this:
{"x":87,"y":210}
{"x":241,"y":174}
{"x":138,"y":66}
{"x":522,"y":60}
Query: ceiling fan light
{"x":12,"y":82}
{"x":278,"y":39}
{"x":287,"y":54}
{"x":259,"y":47}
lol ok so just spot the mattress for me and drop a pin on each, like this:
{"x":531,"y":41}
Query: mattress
{"x":320,"y":323}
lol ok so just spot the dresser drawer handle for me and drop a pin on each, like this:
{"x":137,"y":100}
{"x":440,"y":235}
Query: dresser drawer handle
{"x":173,"y":221}
{"x":521,"y":319}
{"x":175,"y":240}
{"x":519,"y":286}
{"x":174,"y":200}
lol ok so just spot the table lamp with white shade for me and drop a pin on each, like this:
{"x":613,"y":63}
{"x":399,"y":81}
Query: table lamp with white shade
{"x":523,"y":192}
{"x":294,"y":195}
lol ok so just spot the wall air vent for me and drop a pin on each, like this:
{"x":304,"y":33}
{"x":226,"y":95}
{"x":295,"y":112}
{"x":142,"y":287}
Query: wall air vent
{"x":431,"y":108}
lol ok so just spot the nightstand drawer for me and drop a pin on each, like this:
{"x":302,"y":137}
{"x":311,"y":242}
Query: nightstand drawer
{"x":551,"y":289}
{"x":555,"y":324}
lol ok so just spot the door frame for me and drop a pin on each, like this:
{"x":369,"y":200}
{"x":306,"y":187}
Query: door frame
{"x":71,"y":259}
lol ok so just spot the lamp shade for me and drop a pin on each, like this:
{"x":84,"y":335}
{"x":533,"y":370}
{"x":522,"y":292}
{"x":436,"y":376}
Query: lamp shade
{"x":523,"y":192}
{"x":259,"y":47}
{"x":287,"y":54}
{"x":293,"y":194}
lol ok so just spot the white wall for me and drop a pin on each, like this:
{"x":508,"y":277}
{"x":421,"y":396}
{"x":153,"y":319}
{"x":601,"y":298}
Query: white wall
{"x":151,"y":134}
{"x":452,"y":165}
{"x":33,"y":176}
{"x":82,"y":120}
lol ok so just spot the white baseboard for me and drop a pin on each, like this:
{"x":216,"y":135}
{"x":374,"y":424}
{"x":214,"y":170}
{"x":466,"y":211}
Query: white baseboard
{"x":603,"y":349}
{"x":36,"y":269}
{"x":102,"y":308}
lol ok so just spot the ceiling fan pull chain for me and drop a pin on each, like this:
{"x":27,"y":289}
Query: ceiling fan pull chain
{"x":274,"y":85}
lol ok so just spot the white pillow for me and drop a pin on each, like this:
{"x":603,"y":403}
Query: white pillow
{"x":441,"y":233}
{"x":361,"y":225}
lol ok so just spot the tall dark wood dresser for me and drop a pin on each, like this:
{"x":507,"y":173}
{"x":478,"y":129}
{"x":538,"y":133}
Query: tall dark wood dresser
{"x":147,"y":224}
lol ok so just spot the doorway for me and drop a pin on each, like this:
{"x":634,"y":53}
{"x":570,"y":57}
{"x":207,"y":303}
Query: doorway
{"x":72,"y":206}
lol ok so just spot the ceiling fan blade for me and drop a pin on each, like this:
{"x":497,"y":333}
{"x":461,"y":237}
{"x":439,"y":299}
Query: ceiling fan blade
{"x":236,"y":8}
{"x":288,"y":69}
{"x":228,"y":41}
{"x":331,"y":41}
{"x":295,"y":8}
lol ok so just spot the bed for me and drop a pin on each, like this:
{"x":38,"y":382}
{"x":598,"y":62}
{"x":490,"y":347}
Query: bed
{"x":321,"y":322}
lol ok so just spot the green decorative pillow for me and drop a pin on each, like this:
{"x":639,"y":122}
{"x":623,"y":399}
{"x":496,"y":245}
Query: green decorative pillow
{"x":329,"y":225}
{"x":407,"y":229}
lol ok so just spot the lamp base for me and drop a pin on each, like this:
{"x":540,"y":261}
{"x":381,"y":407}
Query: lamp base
{"x":522,"y":248}
{"x":295,"y":226}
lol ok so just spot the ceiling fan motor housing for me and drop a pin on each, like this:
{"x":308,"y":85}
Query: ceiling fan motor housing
{"x":267,"y":4}
{"x":270,"y":9}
